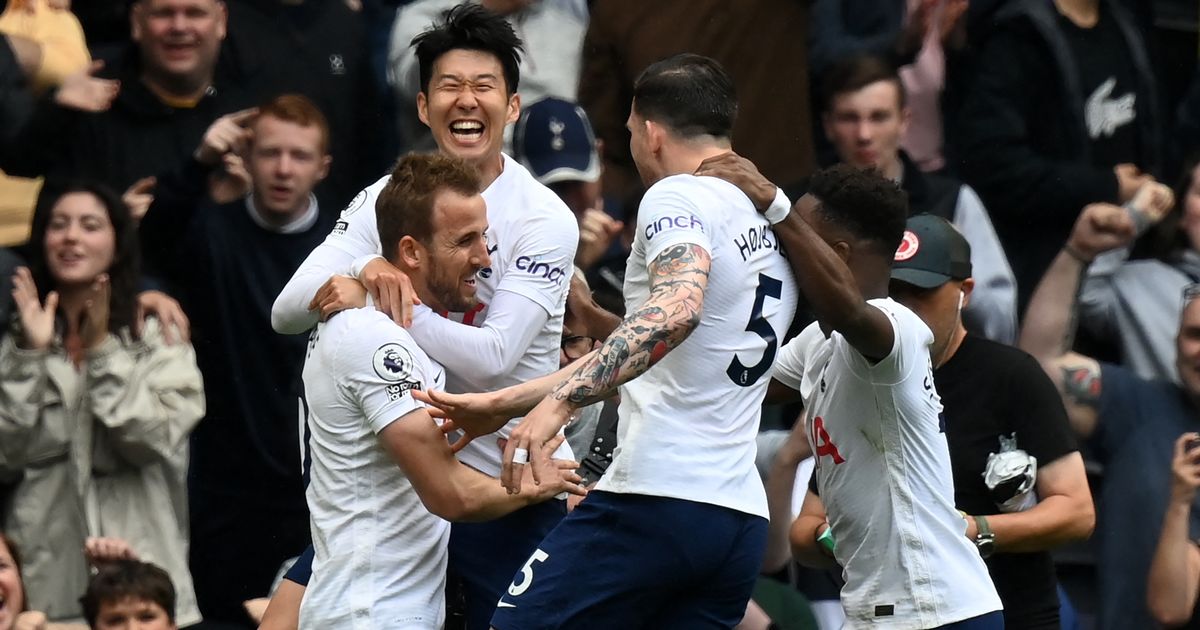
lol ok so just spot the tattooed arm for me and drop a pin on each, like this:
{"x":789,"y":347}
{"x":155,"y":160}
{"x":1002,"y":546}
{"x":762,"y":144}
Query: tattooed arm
{"x":1049,"y":331}
{"x":678,"y":278}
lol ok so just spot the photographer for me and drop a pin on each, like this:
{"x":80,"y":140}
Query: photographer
{"x":1175,"y":571}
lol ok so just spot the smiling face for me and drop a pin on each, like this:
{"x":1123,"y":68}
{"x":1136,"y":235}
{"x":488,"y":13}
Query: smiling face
{"x":12,"y":591}
{"x":286,"y":162}
{"x":865,"y":126}
{"x":457,"y":249}
{"x":467,"y":105}
{"x":80,"y":241}
{"x":179,"y":39}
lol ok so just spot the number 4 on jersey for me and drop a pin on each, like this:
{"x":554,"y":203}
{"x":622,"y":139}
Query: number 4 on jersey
{"x":741,"y":375}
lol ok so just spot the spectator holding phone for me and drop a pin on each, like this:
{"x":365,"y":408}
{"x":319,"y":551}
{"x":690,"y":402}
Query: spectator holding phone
{"x":1175,"y":570}
{"x":1131,"y":423}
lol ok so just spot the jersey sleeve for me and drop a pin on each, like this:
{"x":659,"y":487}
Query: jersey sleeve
{"x":1036,"y":412}
{"x":910,"y":346}
{"x":543,"y":259}
{"x":380,"y":371}
{"x":356,"y":232}
{"x":789,"y":365}
{"x":354,"y":236}
{"x":669,"y":215}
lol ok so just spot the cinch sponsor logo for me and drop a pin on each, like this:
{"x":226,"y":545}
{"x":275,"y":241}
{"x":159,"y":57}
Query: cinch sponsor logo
{"x":679,"y":221}
{"x":529,"y":265}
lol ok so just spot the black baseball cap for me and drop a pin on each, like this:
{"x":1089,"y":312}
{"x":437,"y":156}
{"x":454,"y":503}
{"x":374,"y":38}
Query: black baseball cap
{"x":931,"y":253}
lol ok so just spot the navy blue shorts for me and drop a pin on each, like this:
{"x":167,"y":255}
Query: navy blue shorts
{"x":990,"y":621}
{"x":630,"y":561}
{"x":484,"y":556}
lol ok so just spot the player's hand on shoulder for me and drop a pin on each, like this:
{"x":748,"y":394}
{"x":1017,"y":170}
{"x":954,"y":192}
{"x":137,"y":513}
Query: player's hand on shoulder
{"x":339,"y":293}
{"x":391,"y":289}
{"x":742,"y":173}
{"x":551,"y":477}
{"x":476,"y":415}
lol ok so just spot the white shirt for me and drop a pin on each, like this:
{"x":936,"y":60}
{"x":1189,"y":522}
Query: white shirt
{"x":532,"y":237}
{"x":688,"y":425}
{"x":883,"y":473}
{"x":380,"y":557}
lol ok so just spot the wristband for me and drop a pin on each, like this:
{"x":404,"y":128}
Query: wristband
{"x":360,"y":263}
{"x":826,"y":540}
{"x":779,"y":209}
{"x":1074,"y":253}
{"x":1141,"y":222}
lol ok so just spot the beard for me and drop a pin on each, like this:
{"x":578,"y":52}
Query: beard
{"x":447,"y":288}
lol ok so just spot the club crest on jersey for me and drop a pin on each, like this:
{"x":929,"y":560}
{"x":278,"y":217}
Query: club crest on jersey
{"x":355,"y":204}
{"x":908,"y":246}
{"x":392,"y":362}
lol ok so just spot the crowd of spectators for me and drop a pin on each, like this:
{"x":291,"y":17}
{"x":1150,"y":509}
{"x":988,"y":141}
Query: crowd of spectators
{"x":168,"y":165}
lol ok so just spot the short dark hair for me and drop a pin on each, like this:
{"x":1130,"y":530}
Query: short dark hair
{"x":855,"y":73}
{"x":469,"y":26}
{"x":405,"y":205}
{"x":123,"y":579}
{"x":691,"y":94}
{"x":868,"y":205}
{"x":298,"y":110}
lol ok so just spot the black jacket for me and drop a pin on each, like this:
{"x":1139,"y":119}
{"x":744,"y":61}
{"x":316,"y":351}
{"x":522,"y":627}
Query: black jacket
{"x":318,"y":48}
{"x":137,"y":137}
{"x":1022,"y":139}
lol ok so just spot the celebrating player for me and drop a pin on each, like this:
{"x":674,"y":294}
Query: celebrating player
{"x":469,"y":75}
{"x":380,"y":544}
{"x":709,"y":296}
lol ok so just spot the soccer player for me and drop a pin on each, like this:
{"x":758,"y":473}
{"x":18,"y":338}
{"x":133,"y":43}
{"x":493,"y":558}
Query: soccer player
{"x":882,"y":506}
{"x":383,"y":477}
{"x":469,"y":76}
{"x":674,"y":533}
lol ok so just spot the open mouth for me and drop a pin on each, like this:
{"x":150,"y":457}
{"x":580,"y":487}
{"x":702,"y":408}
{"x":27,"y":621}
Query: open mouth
{"x":178,"y":50}
{"x":468,"y":131}
{"x":69,"y":259}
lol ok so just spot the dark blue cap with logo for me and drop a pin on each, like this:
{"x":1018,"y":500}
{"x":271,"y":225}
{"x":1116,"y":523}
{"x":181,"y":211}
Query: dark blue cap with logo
{"x":931,"y":253}
{"x":554,"y":140}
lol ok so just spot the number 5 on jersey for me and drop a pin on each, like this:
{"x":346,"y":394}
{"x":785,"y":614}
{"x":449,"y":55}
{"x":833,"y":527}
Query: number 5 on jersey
{"x":516,"y":588}
{"x":741,"y":375}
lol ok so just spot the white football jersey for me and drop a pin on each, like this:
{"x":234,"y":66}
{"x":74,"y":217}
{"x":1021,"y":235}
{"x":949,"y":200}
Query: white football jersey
{"x":532,"y":237}
{"x":380,"y":554}
{"x":688,"y":425}
{"x":883,"y":473}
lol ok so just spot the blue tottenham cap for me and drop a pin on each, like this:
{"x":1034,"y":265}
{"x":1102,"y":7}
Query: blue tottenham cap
{"x":554,"y":140}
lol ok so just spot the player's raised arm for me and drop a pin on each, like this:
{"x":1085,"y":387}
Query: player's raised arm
{"x":819,"y":259}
